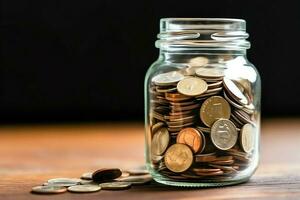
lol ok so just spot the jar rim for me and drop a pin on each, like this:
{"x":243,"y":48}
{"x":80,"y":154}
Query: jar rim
{"x":173,"y":24}
{"x":212,"y":33}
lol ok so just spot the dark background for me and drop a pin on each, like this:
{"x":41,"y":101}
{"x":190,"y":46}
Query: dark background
{"x":86,"y":60}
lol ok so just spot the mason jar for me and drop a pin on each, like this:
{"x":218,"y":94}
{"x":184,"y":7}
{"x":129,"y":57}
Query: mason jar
{"x":202,"y":104}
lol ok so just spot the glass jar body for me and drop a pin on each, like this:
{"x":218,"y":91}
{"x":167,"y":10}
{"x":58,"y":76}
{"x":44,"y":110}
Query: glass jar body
{"x":202,"y":118}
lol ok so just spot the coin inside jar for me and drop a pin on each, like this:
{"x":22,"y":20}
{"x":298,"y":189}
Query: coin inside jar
{"x":190,"y":137}
{"x":214,"y":108}
{"x":160,"y":141}
{"x":192,"y":86}
{"x":224,"y":134}
{"x":210,"y":72}
{"x":168,"y":78}
{"x":234,"y":91}
{"x":247,"y":137}
{"x":178,"y":157}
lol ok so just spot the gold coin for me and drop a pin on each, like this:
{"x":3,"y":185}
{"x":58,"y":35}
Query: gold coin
{"x":224,"y":134}
{"x":214,"y":108}
{"x":49,"y":189}
{"x":168,"y":78}
{"x":247,"y":137}
{"x":178,"y":158}
{"x":210,"y":72}
{"x":192,"y":86}
{"x":160,"y":141}
{"x":235,"y":91}
{"x":190,"y":137}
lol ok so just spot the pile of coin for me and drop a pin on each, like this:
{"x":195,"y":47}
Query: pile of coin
{"x":202,"y":125}
{"x":102,"y":179}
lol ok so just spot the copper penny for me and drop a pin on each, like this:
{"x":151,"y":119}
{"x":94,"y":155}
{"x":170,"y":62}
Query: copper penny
{"x":190,"y":137}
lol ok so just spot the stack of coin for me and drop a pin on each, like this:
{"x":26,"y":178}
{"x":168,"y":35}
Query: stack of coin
{"x":202,"y":124}
{"x":102,"y":179}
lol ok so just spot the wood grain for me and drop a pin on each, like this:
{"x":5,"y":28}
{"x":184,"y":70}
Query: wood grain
{"x":29,"y":155}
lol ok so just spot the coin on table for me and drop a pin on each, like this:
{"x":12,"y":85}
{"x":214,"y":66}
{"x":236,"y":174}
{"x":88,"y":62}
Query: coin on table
{"x":137,"y":171}
{"x":49,"y":189}
{"x":66,"y":182}
{"x":160,"y":141}
{"x":106,"y":174}
{"x":224,"y":134}
{"x":214,"y":108}
{"x":87,"y":176}
{"x":84,"y":188}
{"x":247,"y":137}
{"x":210,"y":72}
{"x":178,"y":158}
{"x":168,"y":78}
{"x":136,"y":180}
{"x":190,"y":137}
{"x":192,"y":86}
{"x":234,"y":91}
{"x":115,"y":186}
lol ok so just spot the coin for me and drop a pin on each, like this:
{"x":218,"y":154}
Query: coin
{"x":190,"y":137}
{"x":192,"y":86}
{"x":214,"y":108}
{"x":224,"y":134}
{"x":157,"y":126}
{"x":84,"y":188}
{"x":87,"y":176}
{"x":234,"y":91}
{"x":115,"y":186}
{"x":247,"y":137}
{"x":205,"y":157}
{"x":106,"y":174}
{"x":210,"y":72}
{"x":198,"y":61}
{"x":136,"y":180}
{"x":178,"y":157}
{"x":64,"y":181}
{"x":176,"y":97}
{"x":49,"y":189}
{"x":168,"y":78}
{"x":160,"y":141}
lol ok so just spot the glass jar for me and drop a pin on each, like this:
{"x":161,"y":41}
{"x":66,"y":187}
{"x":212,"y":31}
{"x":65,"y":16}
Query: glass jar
{"x":202,"y":104}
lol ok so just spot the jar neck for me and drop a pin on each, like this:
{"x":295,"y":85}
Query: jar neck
{"x":214,"y":55}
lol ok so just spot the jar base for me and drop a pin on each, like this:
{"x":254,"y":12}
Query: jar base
{"x":198,"y":183}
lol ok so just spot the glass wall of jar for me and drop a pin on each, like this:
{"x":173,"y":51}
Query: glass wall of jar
{"x":202,"y":104}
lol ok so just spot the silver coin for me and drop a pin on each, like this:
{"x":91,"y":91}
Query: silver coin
{"x":224,"y":134}
{"x":210,"y":72}
{"x":48,"y":189}
{"x":115,"y":186}
{"x":168,"y":78}
{"x":136,"y":180}
{"x":84,"y":188}
{"x":87,"y":176}
{"x":234,"y":91}
{"x":64,"y":181}
{"x":247,"y":138}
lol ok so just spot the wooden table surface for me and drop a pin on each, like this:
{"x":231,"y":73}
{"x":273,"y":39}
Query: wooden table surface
{"x":30,"y":155}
